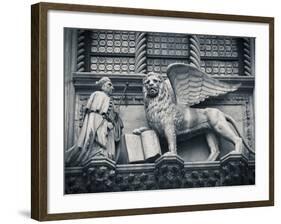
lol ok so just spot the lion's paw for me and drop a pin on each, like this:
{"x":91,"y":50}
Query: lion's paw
{"x":138,"y":131}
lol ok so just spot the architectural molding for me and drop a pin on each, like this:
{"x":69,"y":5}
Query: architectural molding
{"x":168,"y":172}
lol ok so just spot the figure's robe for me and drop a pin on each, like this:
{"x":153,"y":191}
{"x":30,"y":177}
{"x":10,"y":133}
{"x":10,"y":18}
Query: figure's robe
{"x":101,"y":128}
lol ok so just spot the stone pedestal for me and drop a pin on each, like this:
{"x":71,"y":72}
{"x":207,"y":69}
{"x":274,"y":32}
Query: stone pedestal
{"x":202,"y":174}
{"x":74,"y":181}
{"x":169,"y":171}
{"x":235,"y":170}
{"x":252,"y":172}
{"x":134,"y":177}
{"x":100,"y":174}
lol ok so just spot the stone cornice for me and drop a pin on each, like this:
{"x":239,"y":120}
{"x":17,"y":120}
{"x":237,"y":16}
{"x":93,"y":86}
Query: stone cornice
{"x":86,"y":81}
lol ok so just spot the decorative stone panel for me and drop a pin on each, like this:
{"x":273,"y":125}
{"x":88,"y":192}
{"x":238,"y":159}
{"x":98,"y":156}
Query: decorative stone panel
{"x":112,"y":65}
{"x":100,"y":175}
{"x":135,"y":177}
{"x":216,"y":46}
{"x":235,"y":170}
{"x":168,"y":172}
{"x":113,"y":42}
{"x":159,"y":65}
{"x":75,"y":180}
{"x":220,"y":68}
{"x":198,"y":175}
{"x":164,"y":44}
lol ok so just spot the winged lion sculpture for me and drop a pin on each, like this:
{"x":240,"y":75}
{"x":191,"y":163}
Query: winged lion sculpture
{"x":168,"y":107}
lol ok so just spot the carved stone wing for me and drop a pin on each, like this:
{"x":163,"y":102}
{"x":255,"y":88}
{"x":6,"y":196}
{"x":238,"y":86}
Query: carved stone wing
{"x":192,"y":86}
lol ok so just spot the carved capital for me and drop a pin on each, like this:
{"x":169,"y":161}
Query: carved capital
{"x":169,"y":171}
{"x":202,"y":174}
{"x":235,"y":170}
{"x":100,"y":174}
{"x":169,"y":158}
{"x":74,"y":181}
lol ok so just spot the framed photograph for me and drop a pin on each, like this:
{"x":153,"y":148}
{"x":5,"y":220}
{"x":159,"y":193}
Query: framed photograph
{"x":139,"y":111}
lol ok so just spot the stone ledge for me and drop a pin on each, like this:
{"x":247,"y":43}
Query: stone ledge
{"x":168,"y":172}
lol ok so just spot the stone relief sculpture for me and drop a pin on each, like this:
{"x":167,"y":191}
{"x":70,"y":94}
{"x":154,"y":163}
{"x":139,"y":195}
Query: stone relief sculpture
{"x":101,"y":129}
{"x":169,"y":112}
{"x":95,"y":159}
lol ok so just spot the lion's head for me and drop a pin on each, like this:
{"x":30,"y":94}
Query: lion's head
{"x":159,"y":102}
{"x":152,"y":83}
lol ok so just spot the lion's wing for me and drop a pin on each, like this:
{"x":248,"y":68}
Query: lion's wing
{"x":171,"y":90}
{"x":192,"y":86}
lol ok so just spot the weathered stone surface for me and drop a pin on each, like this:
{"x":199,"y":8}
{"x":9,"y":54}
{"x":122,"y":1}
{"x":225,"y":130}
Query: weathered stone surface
{"x":202,"y":175}
{"x":235,"y":170}
{"x":75,"y":181}
{"x":252,"y":173}
{"x":135,"y":181}
{"x":100,"y":174}
{"x":124,"y":57}
{"x":168,"y":172}
{"x":127,"y":55}
{"x":167,"y":116}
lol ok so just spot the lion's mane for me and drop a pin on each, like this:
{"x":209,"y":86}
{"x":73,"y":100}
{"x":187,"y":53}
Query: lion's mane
{"x":161,"y":111}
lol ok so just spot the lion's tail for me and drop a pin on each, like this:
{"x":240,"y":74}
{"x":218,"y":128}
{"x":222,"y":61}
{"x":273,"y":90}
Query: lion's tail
{"x":233,"y":123}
